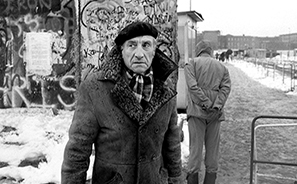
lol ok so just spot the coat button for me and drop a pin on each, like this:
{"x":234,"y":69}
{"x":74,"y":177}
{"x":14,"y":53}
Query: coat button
{"x":157,"y":130}
{"x":142,"y":158}
{"x":154,"y":157}
{"x":142,"y":130}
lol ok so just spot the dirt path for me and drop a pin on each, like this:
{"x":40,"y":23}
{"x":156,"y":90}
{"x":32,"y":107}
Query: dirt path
{"x":247,"y":100}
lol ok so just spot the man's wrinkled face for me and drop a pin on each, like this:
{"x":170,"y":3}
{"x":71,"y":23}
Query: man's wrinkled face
{"x":138,"y":53}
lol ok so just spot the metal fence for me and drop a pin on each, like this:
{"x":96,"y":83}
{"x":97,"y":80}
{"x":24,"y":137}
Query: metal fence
{"x":272,"y":67}
{"x":254,"y":161}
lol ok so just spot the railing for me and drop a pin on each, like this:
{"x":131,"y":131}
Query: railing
{"x":286,"y":68}
{"x":253,"y":160}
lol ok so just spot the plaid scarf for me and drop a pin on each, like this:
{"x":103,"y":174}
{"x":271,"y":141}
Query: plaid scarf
{"x":142,"y":85}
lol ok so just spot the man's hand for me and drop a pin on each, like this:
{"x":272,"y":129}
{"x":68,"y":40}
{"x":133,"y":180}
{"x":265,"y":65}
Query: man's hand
{"x":214,"y":113}
{"x":204,"y":107}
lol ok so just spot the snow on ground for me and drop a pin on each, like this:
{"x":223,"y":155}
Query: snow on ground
{"x":30,"y":134}
{"x":267,"y":78}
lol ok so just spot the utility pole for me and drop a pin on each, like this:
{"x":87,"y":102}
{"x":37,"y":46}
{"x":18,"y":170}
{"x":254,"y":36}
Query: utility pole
{"x":289,"y":43}
{"x":190,"y":5}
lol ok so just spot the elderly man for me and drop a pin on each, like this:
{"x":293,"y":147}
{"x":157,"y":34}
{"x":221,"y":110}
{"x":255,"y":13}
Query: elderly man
{"x":209,"y":86}
{"x":127,"y":110}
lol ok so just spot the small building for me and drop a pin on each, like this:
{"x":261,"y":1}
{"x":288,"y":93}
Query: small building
{"x":187,"y":39}
{"x":187,"y":36}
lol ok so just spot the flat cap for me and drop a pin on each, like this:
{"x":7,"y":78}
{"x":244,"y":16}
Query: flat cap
{"x":135,"y":29}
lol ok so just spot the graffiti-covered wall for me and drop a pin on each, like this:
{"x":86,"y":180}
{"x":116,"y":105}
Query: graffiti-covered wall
{"x":19,"y":85}
{"x":45,"y":45}
{"x":101,"y":20}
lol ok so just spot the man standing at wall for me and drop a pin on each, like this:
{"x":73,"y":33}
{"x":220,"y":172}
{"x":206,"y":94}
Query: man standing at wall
{"x":209,"y":85}
{"x":127,"y":110}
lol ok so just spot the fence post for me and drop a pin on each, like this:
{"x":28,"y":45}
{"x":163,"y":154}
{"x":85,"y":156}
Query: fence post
{"x":273,"y":70}
{"x":292,"y":77}
{"x":284,"y":73}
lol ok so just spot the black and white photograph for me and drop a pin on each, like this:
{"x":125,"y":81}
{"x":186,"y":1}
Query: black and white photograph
{"x":148,"y":92}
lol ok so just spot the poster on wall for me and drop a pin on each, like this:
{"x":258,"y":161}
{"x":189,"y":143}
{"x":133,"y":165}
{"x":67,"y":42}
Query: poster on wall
{"x":38,"y":53}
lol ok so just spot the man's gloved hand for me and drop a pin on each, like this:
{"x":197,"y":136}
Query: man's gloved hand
{"x":204,"y":107}
{"x":174,"y":180}
{"x":214,"y":113}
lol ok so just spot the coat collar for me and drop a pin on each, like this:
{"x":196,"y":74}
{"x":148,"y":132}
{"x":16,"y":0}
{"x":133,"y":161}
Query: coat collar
{"x":122,"y":94}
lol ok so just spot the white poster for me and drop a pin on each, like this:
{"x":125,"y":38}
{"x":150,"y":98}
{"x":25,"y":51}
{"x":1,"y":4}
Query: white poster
{"x":38,"y":53}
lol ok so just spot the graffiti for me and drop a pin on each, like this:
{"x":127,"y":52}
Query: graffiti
{"x":63,"y":23}
{"x":119,"y":14}
{"x":68,"y":13}
{"x":97,"y":18}
{"x":15,"y":24}
{"x":32,"y":23}
{"x":28,"y":23}
{"x":103,"y":19}
{"x":96,"y":11}
{"x":59,"y":47}
{"x":21,"y":7}
{"x":159,"y":13}
{"x":55,"y":24}
{"x":90,"y":52}
{"x":19,"y":17}
{"x":63,"y":85}
{"x":19,"y":90}
{"x":3,"y":41}
{"x":3,"y":36}
{"x":100,"y":22}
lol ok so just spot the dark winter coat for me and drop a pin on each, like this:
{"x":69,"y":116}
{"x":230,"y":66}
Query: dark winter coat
{"x":132,"y":145}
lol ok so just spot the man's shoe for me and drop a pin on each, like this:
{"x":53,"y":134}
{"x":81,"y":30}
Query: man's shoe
{"x":210,"y":178}
{"x":193,"y":178}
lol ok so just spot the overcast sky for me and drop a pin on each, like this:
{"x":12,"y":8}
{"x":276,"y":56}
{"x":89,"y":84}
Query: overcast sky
{"x":248,"y":17}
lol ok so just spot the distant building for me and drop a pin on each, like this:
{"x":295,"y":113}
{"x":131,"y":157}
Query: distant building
{"x":289,"y":40}
{"x":271,"y":43}
{"x":281,"y":42}
{"x":238,"y":42}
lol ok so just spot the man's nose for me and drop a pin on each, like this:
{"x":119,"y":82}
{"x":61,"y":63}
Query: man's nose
{"x":139,"y":53}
